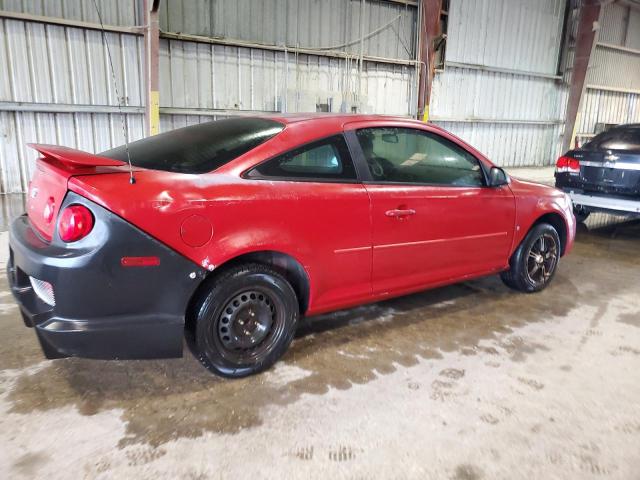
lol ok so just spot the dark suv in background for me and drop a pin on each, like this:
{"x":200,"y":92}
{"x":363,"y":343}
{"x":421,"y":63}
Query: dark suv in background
{"x":604,"y":174}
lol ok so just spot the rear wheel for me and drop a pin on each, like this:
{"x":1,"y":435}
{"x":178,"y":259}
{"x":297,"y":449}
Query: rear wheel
{"x":534,"y":263}
{"x":246,"y":322}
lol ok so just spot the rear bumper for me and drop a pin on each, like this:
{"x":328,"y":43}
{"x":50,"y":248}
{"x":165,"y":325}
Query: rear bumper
{"x":605,"y":203}
{"x":102,"y":309}
{"x":629,"y":186}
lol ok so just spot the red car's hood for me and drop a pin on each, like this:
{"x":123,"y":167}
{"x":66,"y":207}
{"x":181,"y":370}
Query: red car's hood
{"x":521,"y":187}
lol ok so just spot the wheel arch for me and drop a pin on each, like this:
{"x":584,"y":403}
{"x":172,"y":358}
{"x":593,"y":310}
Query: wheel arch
{"x":556,"y":220}
{"x":285,"y":264}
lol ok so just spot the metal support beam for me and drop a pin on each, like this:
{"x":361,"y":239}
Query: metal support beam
{"x":611,"y":46}
{"x":187,"y":37}
{"x":429,"y":30}
{"x":202,"y":39}
{"x":510,"y":71}
{"x":152,"y":59}
{"x":607,"y":88}
{"x":586,"y":40}
{"x":508,"y":121}
{"x":67,"y":108}
{"x":63,"y":22}
{"x":213,"y":112}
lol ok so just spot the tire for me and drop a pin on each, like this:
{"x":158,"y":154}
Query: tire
{"x":580,"y":213}
{"x":532,"y":252}
{"x":245,"y":322}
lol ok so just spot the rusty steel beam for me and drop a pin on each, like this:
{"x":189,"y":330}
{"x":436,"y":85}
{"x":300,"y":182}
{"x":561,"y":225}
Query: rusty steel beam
{"x":152,"y":59}
{"x":429,"y":31}
{"x":585,"y":43}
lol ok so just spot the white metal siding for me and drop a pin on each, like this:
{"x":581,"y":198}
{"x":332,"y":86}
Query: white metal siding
{"x":510,"y":144}
{"x":613,"y":79}
{"x":516,"y":117}
{"x":113,"y":12}
{"x":55,"y":64}
{"x":514,"y":34}
{"x":92,"y":132}
{"x":198,"y":75}
{"x":601,"y":106}
{"x":300,"y":23}
{"x":51,"y":66}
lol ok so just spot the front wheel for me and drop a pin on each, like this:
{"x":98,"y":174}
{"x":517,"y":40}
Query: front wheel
{"x":534,"y":263}
{"x":246,"y":322}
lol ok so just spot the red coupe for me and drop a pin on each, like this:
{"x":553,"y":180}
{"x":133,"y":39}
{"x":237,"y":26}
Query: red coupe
{"x":226,"y":232}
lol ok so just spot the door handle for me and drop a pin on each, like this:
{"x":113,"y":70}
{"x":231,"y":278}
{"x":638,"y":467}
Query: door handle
{"x":400,"y":213}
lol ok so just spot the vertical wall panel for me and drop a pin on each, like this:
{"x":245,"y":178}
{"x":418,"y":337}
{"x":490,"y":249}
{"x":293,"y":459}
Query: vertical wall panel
{"x":90,"y":132}
{"x":514,"y":34}
{"x":333,"y":24}
{"x":51,"y":64}
{"x":114,"y":12}
{"x":513,"y":118}
{"x":615,"y":69}
{"x":254,"y":79}
{"x":55,"y":64}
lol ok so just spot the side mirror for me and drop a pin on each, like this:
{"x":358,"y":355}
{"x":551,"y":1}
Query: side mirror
{"x":497,"y":177}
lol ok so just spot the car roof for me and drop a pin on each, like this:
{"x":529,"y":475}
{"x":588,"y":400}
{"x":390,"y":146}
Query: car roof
{"x":623,"y":126}
{"x":337,"y":118}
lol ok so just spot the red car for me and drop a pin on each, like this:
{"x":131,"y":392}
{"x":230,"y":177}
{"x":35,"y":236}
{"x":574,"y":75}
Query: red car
{"x":226,"y":232}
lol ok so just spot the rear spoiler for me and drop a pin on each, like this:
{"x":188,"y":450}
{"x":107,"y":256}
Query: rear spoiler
{"x":74,"y":158}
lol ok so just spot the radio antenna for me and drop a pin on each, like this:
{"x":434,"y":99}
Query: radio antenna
{"x":132,"y":180}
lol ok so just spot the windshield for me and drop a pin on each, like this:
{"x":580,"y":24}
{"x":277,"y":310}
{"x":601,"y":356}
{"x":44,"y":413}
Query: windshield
{"x":199,"y":148}
{"x":621,"y":138}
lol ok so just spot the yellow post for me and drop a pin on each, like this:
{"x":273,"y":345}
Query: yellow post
{"x":154,"y":112}
{"x":425,"y":114}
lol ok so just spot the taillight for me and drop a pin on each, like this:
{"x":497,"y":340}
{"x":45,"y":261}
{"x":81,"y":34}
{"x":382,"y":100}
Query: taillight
{"x":76,"y":221}
{"x":568,"y":164}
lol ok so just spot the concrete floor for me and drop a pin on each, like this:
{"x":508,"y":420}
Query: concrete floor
{"x":467,"y":382}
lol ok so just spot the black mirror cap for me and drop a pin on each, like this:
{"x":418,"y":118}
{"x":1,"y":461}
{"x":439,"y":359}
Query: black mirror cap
{"x":498,"y":177}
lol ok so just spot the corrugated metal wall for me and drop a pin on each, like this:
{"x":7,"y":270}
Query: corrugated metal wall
{"x":57,"y":86}
{"x":500,"y":90}
{"x":513,"y":34}
{"x":328,"y":24}
{"x":113,"y":12}
{"x":54,"y":74}
{"x":199,"y":75}
{"x":613,"y":79}
{"x":62,"y":65}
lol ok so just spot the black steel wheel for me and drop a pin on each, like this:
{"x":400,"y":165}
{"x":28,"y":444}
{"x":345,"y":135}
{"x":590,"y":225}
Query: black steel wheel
{"x":535,"y":261}
{"x":245,"y":322}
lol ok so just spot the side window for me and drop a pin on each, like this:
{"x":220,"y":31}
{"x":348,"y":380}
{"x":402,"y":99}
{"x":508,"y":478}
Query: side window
{"x":326,"y":159}
{"x":405,"y":155}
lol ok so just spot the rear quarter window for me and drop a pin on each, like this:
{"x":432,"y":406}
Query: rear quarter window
{"x":199,"y":148}
{"x":326,"y":159}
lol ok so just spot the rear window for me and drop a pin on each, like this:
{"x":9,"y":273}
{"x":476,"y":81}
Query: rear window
{"x":199,"y":148}
{"x":627,"y":138}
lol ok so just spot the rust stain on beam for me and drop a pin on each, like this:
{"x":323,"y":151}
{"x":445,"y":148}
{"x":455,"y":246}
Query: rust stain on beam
{"x":152,"y":58}
{"x":429,"y":31}
{"x":586,"y":40}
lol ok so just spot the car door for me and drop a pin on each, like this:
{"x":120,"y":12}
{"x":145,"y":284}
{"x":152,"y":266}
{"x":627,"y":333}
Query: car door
{"x":322,"y":210}
{"x":434,"y":219}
